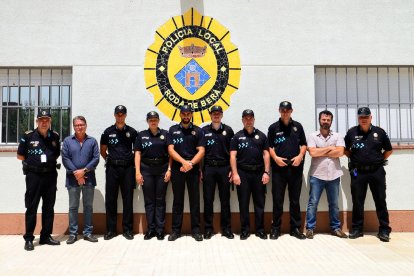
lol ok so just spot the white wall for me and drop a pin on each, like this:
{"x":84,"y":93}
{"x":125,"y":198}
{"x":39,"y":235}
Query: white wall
{"x":279,"y":44}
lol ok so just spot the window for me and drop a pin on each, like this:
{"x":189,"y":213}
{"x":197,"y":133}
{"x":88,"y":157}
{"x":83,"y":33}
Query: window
{"x":26,"y":90}
{"x":386,"y":90}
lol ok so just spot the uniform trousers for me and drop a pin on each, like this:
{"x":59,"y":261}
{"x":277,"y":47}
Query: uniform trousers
{"x":179,"y":179}
{"x":212,"y":176}
{"x":154,"y":189}
{"x":251,"y":184}
{"x":359,"y":186}
{"x":40,"y":185}
{"x":290,"y":177}
{"x":123,"y":178}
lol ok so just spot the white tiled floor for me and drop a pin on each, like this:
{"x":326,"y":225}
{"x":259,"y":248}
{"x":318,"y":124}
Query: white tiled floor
{"x":324,"y":255}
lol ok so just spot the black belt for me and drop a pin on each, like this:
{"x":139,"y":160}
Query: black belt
{"x":120,"y":163}
{"x":154,"y":161}
{"x":250,"y":168}
{"x":35,"y":169}
{"x":366,"y":167}
{"x":216,"y":163}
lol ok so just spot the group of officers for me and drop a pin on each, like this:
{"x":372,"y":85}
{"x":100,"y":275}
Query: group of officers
{"x":213,"y":154}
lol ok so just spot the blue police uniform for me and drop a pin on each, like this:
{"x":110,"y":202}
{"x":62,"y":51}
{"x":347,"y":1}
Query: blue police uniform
{"x":250,"y":167}
{"x":286,"y":141}
{"x":40,"y":155}
{"x":367,"y":168}
{"x":216,"y":171}
{"x":186,"y":141}
{"x":120,"y":173}
{"x":153,"y":167}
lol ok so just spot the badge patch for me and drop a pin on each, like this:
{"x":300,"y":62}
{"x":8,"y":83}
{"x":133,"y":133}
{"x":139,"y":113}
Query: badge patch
{"x":162,"y":137}
{"x":192,"y":61}
{"x":224,"y":133}
{"x":295,"y":129}
{"x":256,"y":136}
{"x":128,"y":134}
{"x":375,"y":135}
{"x":193,"y":132}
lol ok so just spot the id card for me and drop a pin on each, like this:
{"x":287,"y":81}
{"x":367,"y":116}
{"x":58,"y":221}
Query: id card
{"x":43,"y":158}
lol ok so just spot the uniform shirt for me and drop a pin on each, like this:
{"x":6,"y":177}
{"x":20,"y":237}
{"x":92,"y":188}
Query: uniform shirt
{"x":217,"y":142}
{"x":119,"y":141}
{"x":152,"y":146}
{"x":186,"y":140}
{"x":286,"y":140}
{"x":249,"y":147}
{"x":325,"y":168}
{"x":76,"y":156}
{"x":33,"y":145}
{"x":367,"y":148}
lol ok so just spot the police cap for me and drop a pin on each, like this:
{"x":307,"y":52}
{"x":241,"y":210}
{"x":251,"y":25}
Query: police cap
{"x":364,"y":111}
{"x":186,"y":108}
{"x":248,"y":112}
{"x":285,"y":105}
{"x":216,"y":108}
{"x":152,"y":114}
{"x":120,"y":109}
{"x":45,"y":113}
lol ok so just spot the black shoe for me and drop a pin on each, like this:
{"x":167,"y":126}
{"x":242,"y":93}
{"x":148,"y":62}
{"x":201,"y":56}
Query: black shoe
{"x":295,"y":232}
{"x":197,"y":236}
{"x":228,"y":234}
{"x":354,"y":234}
{"x":28,"y":245}
{"x":128,"y":235}
{"x":274,"y":234}
{"x":173,"y":236}
{"x":160,"y":236}
{"x":149,"y":235}
{"x":90,"y":238}
{"x":49,"y":241}
{"x":72,"y":239}
{"x":261,"y":235}
{"x":244,"y":235}
{"x":208,"y":234}
{"x":383,"y":236}
{"x":109,"y":235}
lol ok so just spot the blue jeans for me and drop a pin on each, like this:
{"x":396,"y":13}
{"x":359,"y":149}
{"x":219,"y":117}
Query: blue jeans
{"x":87,"y":198}
{"x":332,"y":192}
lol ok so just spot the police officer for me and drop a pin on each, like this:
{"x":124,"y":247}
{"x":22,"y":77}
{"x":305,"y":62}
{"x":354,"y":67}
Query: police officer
{"x":368,"y":148}
{"x":217,"y":171}
{"x":153,"y":172}
{"x":116,"y":148}
{"x":250,"y":164}
{"x":287,"y":142}
{"x":187,"y":149}
{"x":38,"y":149}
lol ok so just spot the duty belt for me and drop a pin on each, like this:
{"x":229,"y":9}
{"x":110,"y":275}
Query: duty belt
{"x":35,"y":169}
{"x":120,"y":163}
{"x":250,"y":168}
{"x":366,"y":167}
{"x":154,"y":161}
{"x":216,"y":163}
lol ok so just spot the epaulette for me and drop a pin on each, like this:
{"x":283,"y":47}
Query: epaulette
{"x":28,"y":132}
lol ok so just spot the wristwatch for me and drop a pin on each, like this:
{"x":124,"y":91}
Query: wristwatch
{"x":267,"y":173}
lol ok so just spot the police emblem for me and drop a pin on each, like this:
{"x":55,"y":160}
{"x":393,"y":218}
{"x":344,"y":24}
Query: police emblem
{"x":375,"y":135}
{"x":192,"y":61}
{"x":295,"y":129}
{"x":256,"y":136}
{"x":162,"y":137}
{"x":224,"y":132}
{"x":128,"y":134}
{"x":193,"y":132}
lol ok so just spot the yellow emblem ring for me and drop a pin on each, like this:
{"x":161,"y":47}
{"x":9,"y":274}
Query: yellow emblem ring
{"x":192,"y":61}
